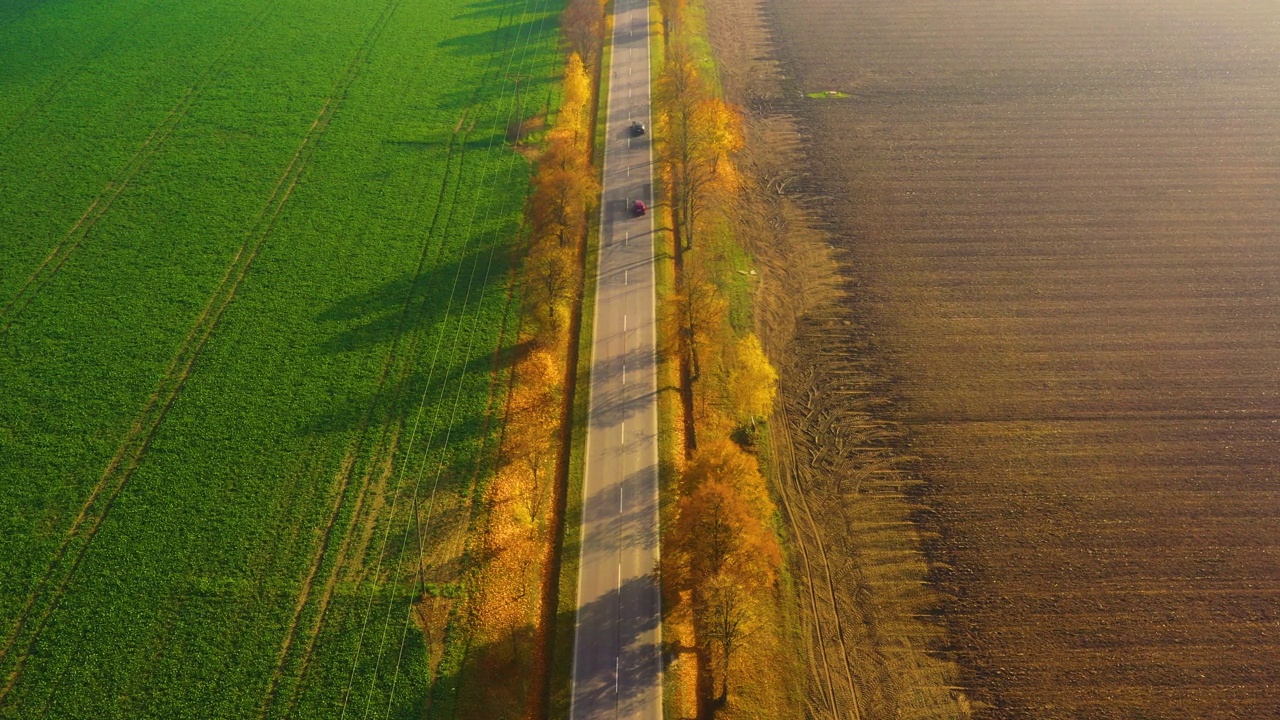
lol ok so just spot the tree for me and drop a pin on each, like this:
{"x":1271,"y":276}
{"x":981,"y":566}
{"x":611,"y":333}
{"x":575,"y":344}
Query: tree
{"x":551,"y":284}
{"x":752,"y":382}
{"x":722,"y":520}
{"x":583,"y":24}
{"x":724,"y":549}
{"x":533,"y":412}
{"x":726,"y":619}
{"x":706,"y":315}
{"x":708,"y":172}
{"x":575,"y":101}
{"x":703,"y":131}
{"x":563,"y":193}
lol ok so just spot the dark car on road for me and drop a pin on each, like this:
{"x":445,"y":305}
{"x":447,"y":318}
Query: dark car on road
{"x":638,"y":208}
{"x":637,"y":129}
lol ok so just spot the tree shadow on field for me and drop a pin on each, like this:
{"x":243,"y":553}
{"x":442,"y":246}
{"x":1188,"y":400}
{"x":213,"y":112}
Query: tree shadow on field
{"x":403,"y":306}
{"x":476,"y":140}
{"x":490,"y":8}
{"x":496,"y":39}
{"x":412,"y":340}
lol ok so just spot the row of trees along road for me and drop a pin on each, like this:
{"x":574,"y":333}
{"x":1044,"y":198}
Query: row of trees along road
{"x":721,"y":554}
{"x":509,"y":608}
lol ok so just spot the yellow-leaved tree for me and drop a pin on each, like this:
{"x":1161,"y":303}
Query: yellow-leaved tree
{"x":752,"y":382}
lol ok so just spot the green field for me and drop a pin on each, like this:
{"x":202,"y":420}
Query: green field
{"x":254,"y":264}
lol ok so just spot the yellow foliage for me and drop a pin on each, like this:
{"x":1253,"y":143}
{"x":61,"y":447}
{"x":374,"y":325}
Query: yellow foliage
{"x":575,"y":102}
{"x":753,"y":383}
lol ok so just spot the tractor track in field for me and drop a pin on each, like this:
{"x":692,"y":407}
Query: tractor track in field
{"x":134,"y":446}
{"x":101,"y":204}
{"x":98,"y":207}
{"x":823,"y":604}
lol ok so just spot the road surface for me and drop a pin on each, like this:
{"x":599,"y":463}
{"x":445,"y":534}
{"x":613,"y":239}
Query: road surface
{"x":617,"y":669}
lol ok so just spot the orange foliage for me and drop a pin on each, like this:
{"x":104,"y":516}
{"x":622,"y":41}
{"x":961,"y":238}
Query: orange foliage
{"x":722,"y":520}
{"x":506,"y":607}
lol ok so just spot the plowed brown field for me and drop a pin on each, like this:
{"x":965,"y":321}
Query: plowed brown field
{"x":1060,"y":223}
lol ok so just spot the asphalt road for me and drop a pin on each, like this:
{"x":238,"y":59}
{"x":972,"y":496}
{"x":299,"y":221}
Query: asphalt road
{"x":617,"y":669}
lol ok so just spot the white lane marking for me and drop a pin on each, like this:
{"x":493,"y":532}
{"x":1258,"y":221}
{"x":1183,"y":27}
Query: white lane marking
{"x":617,"y":662}
{"x":624,"y":322}
{"x":624,"y":373}
{"x":626,"y":277}
{"x":619,"y":578}
{"x":625,"y":237}
{"x":619,"y":499}
{"x":624,"y":432}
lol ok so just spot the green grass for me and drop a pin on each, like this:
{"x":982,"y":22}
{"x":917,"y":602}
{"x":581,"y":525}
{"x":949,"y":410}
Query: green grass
{"x":316,"y":139}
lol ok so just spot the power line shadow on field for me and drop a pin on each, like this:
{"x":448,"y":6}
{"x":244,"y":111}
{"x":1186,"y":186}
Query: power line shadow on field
{"x":484,"y":42}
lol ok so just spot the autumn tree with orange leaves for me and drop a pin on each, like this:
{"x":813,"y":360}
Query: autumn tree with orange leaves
{"x":721,"y":554}
{"x":723,"y":550}
{"x":564,"y":190}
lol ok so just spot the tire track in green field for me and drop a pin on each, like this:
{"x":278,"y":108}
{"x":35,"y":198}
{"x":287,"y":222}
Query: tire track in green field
{"x":72,"y":240}
{"x":101,"y":204}
{"x":43,"y":601}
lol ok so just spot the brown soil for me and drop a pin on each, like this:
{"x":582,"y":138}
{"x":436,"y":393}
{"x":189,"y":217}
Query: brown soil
{"x":863,"y":629}
{"x":1057,"y":225}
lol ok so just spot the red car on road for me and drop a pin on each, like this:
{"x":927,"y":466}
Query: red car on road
{"x":638,"y":208}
